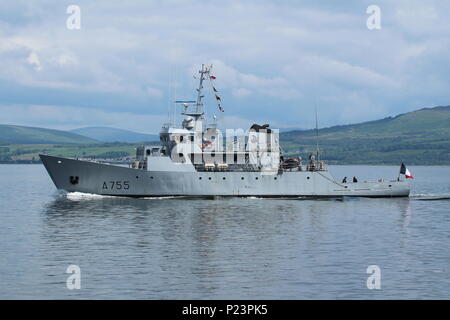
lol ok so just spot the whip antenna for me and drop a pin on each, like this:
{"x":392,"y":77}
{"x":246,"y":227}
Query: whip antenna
{"x":317,"y":134}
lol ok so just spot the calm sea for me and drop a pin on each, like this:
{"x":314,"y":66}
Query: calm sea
{"x":224,"y":248}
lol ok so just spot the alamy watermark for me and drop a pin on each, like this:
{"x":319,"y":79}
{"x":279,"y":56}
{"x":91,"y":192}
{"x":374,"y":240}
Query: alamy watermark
{"x":374,"y":20}
{"x":257,"y":147}
{"x":73,"y":22}
{"x":74,"y":280}
{"x":374,"y":280}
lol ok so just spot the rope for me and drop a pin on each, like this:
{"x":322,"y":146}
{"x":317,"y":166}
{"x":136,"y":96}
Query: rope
{"x":334,"y":181}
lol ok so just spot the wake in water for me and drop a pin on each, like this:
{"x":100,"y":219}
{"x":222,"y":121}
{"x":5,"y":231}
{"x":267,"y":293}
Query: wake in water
{"x":430,"y":196}
{"x":77,"y":196}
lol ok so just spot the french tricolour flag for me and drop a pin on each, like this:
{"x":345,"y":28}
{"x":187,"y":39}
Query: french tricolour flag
{"x":404,"y":170}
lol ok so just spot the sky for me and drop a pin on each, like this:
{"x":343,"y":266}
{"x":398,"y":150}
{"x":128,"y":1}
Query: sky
{"x":274,"y":61}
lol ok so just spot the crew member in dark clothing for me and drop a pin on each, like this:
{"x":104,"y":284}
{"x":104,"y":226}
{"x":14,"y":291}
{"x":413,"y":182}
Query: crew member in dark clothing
{"x":344,"y":180}
{"x":354,"y":179}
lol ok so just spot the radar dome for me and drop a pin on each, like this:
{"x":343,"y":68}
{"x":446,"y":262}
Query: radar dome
{"x":188,"y":122}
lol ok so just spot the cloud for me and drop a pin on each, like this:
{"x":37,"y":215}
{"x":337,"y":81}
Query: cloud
{"x":272,"y":60}
{"x":67,"y":118}
{"x":33,"y":59}
{"x":244,"y":84}
{"x":241,"y":92}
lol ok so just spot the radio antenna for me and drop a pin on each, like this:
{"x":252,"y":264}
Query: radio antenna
{"x":317,"y":133}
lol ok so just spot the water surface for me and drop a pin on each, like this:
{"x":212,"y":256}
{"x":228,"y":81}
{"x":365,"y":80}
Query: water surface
{"x":229,"y":248}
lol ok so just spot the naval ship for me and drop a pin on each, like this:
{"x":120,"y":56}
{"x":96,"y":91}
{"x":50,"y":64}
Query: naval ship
{"x":195,"y":160}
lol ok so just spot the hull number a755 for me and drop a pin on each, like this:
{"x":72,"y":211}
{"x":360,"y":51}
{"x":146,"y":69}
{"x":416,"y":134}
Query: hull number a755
{"x":116,"y":185}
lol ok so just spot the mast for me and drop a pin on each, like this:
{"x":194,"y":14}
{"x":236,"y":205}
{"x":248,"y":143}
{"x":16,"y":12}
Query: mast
{"x":198,"y":113}
{"x":199,"y":104}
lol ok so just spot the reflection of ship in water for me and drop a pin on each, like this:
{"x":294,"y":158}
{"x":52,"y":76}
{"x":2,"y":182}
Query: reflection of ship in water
{"x":194,"y":161}
{"x":205,"y":248}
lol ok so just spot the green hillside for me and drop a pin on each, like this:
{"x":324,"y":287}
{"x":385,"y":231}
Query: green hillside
{"x":419,"y":137}
{"x":15,"y":152}
{"x":10,"y":134}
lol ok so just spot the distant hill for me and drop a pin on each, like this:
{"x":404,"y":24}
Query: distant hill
{"x":290,"y":129}
{"x":11,"y":134}
{"x":418,"y":137}
{"x":106,"y":134}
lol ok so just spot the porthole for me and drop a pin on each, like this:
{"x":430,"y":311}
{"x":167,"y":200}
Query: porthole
{"x":137,"y":177}
{"x":307,"y":178}
{"x":209,"y":178}
{"x":199,"y":178}
{"x":275,"y":178}
{"x":223,"y":178}
{"x":242,"y":178}
{"x":256,"y":178}
{"x":151,"y":177}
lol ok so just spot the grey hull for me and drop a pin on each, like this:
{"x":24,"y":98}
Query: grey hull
{"x":104,"y":179}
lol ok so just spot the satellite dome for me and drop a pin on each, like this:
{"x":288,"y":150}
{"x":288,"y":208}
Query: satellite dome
{"x":188,"y":122}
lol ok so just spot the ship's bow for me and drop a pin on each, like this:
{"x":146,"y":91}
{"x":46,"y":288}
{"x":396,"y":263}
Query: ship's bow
{"x":63,"y":172}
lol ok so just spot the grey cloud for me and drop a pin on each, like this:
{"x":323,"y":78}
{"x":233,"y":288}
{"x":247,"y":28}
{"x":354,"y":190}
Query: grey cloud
{"x":269,"y":56}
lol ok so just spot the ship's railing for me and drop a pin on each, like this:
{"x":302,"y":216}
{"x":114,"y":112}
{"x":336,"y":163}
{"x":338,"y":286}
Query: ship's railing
{"x":253,"y":168}
{"x":229,"y":168}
